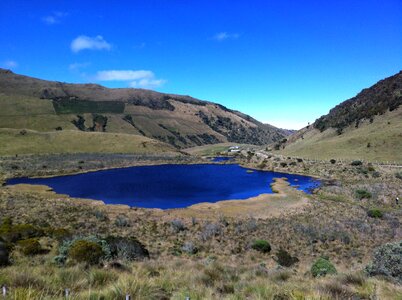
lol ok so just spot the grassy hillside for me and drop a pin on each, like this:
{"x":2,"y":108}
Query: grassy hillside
{"x":13,"y":141}
{"x":380,"y":140}
{"x":182,"y":121}
{"x":385,"y":95}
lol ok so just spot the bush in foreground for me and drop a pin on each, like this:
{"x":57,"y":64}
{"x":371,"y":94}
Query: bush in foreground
{"x":322,"y":267}
{"x":126,"y":248}
{"x":30,"y":247}
{"x":284,"y":259}
{"x":387,"y":261}
{"x":261,"y":246}
{"x":88,"y":252}
{"x":356,"y":163}
{"x":362,"y":194}
{"x":65,"y":248}
{"x":375,"y":213}
{"x":12,"y":233}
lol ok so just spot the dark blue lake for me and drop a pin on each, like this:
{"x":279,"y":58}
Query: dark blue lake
{"x":169,"y":186}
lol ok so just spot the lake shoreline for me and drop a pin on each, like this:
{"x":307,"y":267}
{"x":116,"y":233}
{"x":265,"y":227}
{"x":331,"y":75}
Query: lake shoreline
{"x":169,"y":185}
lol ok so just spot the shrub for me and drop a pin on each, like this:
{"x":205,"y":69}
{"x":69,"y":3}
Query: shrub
{"x":356,"y":163}
{"x":126,"y":248}
{"x":284,"y":259}
{"x":375,"y":213}
{"x":86,"y":252}
{"x":4,"y":254}
{"x":101,"y":216}
{"x":58,"y":233}
{"x":30,"y":247}
{"x":189,"y":247}
{"x":64,"y":248}
{"x":387,"y":261}
{"x":122,"y":221}
{"x":177,"y":226}
{"x":376,"y":174}
{"x":13,"y":233}
{"x":398,"y":175}
{"x":362,"y":194}
{"x":283,"y":164}
{"x":210,"y":230}
{"x":322,"y":267}
{"x":262,"y":246}
{"x":332,"y":161}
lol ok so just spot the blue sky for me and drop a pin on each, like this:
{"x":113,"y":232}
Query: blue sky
{"x":283,"y":62}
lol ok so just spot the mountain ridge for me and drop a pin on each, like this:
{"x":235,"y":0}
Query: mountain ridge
{"x":367,"y":126}
{"x":179,"y":120}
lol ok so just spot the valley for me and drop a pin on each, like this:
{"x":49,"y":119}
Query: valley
{"x":275,"y":241}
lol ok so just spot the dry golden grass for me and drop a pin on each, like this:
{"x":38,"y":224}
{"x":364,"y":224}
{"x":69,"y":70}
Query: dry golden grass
{"x":384,"y":136}
{"x":285,"y":200}
{"x":179,"y":278}
{"x":12,"y":142}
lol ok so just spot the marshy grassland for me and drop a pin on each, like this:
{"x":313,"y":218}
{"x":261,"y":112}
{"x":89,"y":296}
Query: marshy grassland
{"x":262,"y":249}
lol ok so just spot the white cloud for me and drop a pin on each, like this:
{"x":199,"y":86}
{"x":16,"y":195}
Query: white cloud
{"x":123,"y":75}
{"x":83,"y":42}
{"x":54,"y":18}
{"x":147,"y":83}
{"x":10,"y":64}
{"x":222,"y":36}
{"x":135,"y":78}
{"x":78,"y":66}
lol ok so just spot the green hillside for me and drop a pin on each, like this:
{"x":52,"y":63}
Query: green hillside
{"x":181,"y":121}
{"x":379,"y":141}
{"x":15,"y":141}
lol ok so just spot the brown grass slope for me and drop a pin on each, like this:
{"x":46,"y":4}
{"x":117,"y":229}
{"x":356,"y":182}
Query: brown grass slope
{"x":14,"y":141}
{"x":367,"y":127}
{"x":181,"y":121}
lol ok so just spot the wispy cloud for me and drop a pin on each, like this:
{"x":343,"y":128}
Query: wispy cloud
{"x":78,"y":66}
{"x":84,"y":42}
{"x":222,"y":36}
{"x":54,"y":18}
{"x":123,"y":75}
{"x":147,"y":83}
{"x":134,"y":78}
{"x":11,"y":64}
